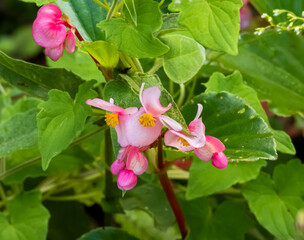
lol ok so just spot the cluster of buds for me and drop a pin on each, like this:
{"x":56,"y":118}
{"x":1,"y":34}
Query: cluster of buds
{"x":50,"y":31}
{"x":138,"y":129}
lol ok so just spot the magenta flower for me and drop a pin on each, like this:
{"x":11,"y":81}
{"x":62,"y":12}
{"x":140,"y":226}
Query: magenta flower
{"x":49,"y":31}
{"x":205,"y":147}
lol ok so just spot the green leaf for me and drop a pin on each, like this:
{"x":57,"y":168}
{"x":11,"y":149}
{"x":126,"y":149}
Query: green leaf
{"x":108,"y":233}
{"x":245,"y":134}
{"x":39,"y":2}
{"x":184,"y":59}
{"x":84,"y":15}
{"x":280,"y":69}
{"x":27,"y":220}
{"x":150,"y":198}
{"x":276,"y":201}
{"x":229,"y":221}
{"x":80,"y":63}
{"x":61,"y":119}
{"x":213,"y":23}
{"x":19,"y":132}
{"x":105,"y":53}
{"x":234,"y":84}
{"x":136,"y":40}
{"x":205,"y":179}
{"x":130,"y":6}
{"x":37,"y":80}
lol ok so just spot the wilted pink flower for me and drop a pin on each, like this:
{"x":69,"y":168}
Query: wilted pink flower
{"x":49,"y":31}
{"x":205,"y":147}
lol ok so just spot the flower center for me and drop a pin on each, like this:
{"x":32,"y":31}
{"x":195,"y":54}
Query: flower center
{"x":147,"y":120}
{"x":184,"y":142}
{"x":112,"y":119}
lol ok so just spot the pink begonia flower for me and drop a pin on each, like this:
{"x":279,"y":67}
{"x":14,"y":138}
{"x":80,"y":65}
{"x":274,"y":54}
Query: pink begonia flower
{"x":49,"y":31}
{"x":126,"y":180}
{"x":206,"y":147}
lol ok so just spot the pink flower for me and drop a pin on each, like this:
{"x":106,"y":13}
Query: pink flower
{"x":245,"y":15}
{"x":49,"y":31}
{"x":126,"y":180}
{"x":205,"y":147}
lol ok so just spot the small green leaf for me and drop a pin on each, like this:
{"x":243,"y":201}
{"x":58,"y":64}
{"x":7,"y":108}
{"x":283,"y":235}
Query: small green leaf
{"x":39,"y":2}
{"x":245,"y":134}
{"x":136,"y":40}
{"x":84,"y":15}
{"x":130,"y":6}
{"x":280,"y":74}
{"x":108,"y":233}
{"x":184,"y":59}
{"x":234,"y":84}
{"x":105,"y":53}
{"x":276,"y":201}
{"x":37,"y":80}
{"x":27,"y":220}
{"x":213,"y":23}
{"x":205,"y":179}
{"x":61,"y":119}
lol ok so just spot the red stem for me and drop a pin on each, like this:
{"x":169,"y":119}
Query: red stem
{"x":168,"y":189}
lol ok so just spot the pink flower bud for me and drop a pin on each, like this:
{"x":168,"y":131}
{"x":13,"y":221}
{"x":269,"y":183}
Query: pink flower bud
{"x":54,"y":53}
{"x":117,"y":166}
{"x":70,"y":42}
{"x":126,"y":180}
{"x":136,"y":161}
{"x":219,"y":160}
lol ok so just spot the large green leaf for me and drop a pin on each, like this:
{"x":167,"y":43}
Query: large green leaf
{"x":152,"y":199}
{"x":229,"y":221}
{"x":184,"y":59}
{"x":135,"y":39}
{"x":280,"y":64}
{"x":234,"y":84}
{"x":213,"y":23}
{"x":61,"y":119}
{"x":205,"y":179}
{"x":276,"y":201}
{"x":19,"y":132}
{"x":35,"y":79}
{"x":108,"y":233}
{"x":245,"y":134}
{"x":84,"y":15}
{"x":27,"y":218}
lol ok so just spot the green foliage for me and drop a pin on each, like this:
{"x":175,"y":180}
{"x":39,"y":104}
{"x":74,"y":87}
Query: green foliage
{"x":245,"y":134}
{"x":84,"y":15}
{"x":37,"y":80}
{"x":61,"y":119}
{"x":205,"y":179}
{"x":135,"y":38}
{"x":184,"y":59}
{"x":27,"y":218}
{"x":280,"y":69}
{"x":213,"y":23}
{"x":108,"y":233}
{"x":39,"y":2}
{"x":275,"y":201}
{"x":234,"y":84}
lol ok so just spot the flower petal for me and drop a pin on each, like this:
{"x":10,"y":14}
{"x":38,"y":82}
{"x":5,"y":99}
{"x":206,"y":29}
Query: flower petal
{"x":213,"y":145}
{"x":219,"y":160}
{"x":54,"y":53}
{"x":149,"y":98}
{"x":199,"y":111}
{"x":70,"y":42}
{"x":117,"y":166}
{"x":49,"y":10}
{"x":171,"y":139}
{"x":99,"y":103}
{"x":126,"y":180}
{"x":136,"y":161}
{"x":170,"y":123}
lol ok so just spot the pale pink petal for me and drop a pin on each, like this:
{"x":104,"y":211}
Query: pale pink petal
{"x":219,"y":160}
{"x":149,"y":98}
{"x":54,"y":53}
{"x":170,"y":139}
{"x":199,"y":111}
{"x":120,"y":131}
{"x":245,"y":16}
{"x":213,"y":145}
{"x":170,"y":123}
{"x":70,"y":42}
{"x":47,"y":33}
{"x":50,"y":10}
{"x":126,"y":180}
{"x":136,"y":161}
{"x":117,"y":166}
{"x":216,"y":144}
{"x":130,"y":110}
{"x":99,"y":103}
{"x":138,"y":135}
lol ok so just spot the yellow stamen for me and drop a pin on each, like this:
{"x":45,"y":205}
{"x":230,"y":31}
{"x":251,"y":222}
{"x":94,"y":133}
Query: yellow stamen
{"x":184,"y":142}
{"x":147,"y":120}
{"x":112,"y":119}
